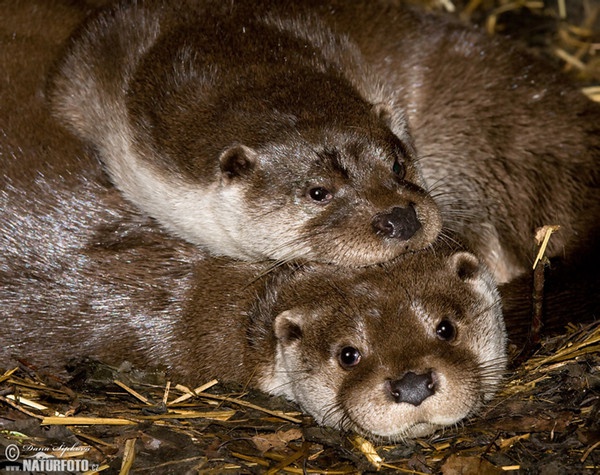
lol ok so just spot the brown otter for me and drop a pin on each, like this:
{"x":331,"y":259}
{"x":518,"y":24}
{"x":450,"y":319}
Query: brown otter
{"x":504,"y":143}
{"x":385,"y":352}
{"x":251,"y":139}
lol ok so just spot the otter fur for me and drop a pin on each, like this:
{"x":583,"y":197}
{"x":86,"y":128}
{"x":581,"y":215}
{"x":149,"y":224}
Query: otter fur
{"x":504,"y":143}
{"x":255,"y":137}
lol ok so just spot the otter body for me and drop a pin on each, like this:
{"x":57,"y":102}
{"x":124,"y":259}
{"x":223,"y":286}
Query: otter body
{"x":255,"y":137}
{"x":504,"y":144}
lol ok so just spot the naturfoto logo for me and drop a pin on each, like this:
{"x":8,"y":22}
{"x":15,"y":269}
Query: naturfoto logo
{"x":42,"y":461}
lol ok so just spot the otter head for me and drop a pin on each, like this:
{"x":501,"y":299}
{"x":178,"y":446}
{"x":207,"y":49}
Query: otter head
{"x":396,"y":353}
{"x":329,"y":194}
{"x":272,"y":160}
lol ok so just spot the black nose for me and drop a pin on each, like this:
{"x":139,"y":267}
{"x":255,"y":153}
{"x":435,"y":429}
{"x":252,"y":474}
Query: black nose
{"x":412,"y":388}
{"x":399,"y":223}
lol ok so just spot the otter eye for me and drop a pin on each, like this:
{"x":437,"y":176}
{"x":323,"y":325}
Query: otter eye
{"x":349,"y":357}
{"x":320,"y":195}
{"x":445,"y":330}
{"x":399,"y":169}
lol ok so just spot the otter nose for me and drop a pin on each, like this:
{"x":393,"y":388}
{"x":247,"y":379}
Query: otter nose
{"x":412,"y":388}
{"x":399,"y":223}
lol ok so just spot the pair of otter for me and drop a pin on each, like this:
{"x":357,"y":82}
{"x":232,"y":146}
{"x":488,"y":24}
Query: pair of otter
{"x":314,"y":131}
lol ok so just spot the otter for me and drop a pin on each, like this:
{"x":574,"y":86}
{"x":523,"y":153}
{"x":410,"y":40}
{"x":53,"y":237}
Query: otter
{"x":246,"y":135}
{"x":291,"y":100}
{"x":386,"y":352}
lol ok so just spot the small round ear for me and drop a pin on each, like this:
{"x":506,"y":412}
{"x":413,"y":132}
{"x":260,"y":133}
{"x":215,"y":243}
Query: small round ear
{"x":288,"y":326}
{"x":383,"y":111}
{"x":398,"y":124}
{"x":465,"y":265}
{"x":237,"y":160}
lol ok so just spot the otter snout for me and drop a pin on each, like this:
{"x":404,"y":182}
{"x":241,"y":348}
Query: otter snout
{"x":412,"y":388}
{"x":399,"y":223}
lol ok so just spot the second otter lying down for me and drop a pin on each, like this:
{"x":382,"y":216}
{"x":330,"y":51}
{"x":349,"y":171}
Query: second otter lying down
{"x":253,"y":139}
{"x":396,"y":352}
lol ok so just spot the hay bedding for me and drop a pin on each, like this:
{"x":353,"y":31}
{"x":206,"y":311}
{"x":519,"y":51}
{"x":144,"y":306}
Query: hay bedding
{"x":546,"y":420}
{"x":123,"y":420}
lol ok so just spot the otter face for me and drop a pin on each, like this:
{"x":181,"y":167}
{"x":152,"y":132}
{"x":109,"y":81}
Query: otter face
{"x":395,"y":355}
{"x":346,"y":199}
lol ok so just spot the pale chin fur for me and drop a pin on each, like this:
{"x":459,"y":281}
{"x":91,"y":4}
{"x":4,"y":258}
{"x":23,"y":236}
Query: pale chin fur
{"x":389,"y":420}
{"x":381,"y":416}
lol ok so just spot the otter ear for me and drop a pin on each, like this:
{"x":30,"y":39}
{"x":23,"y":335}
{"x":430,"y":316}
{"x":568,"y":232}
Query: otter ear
{"x":288,"y":326}
{"x":237,"y":160}
{"x":465,"y":265}
{"x":384,"y":113}
{"x":398,"y":124}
